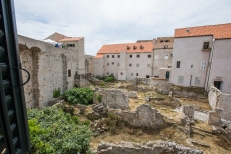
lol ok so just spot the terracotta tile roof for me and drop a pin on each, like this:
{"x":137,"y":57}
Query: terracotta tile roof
{"x":221,"y":31}
{"x":67,"y":39}
{"x":128,"y":47}
{"x":98,"y":56}
{"x":161,"y":42}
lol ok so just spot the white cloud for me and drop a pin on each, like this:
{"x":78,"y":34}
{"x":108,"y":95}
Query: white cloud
{"x":103,"y":21}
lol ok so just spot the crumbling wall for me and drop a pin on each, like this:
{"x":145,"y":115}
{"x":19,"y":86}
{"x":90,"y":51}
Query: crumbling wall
{"x":144,"y":116}
{"x":219,"y":100}
{"x":156,"y":81}
{"x":113,"y":98}
{"x":155,"y":147}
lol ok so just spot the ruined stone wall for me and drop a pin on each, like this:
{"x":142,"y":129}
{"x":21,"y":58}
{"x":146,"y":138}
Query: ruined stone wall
{"x":154,"y":147}
{"x":219,"y":100}
{"x":89,"y":64}
{"x":113,"y":98}
{"x":144,"y":116}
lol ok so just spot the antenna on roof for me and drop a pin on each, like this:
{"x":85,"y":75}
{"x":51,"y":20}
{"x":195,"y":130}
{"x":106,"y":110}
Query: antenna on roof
{"x":187,"y":30}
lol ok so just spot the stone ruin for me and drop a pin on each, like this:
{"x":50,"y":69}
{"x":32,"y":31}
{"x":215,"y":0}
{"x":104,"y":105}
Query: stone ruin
{"x":143,"y":116}
{"x":113,"y":98}
{"x":187,"y":119}
{"x":163,"y":88}
{"x":155,"y":147}
{"x":214,"y":117}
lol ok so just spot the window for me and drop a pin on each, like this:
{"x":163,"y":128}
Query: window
{"x":137,"y":65}
{"x":138,"y":56}
{"x":167,"y":40}
{"x":134,"y":47}
{"x":180,"y":79}
{"x":156,"y":57}
{"x":191,"y":66}
{"x":118,"y":56}
{"x":206,"y":45}
{"x":112,"y":63}
{"x":141,"y":47}
{"x":197,"y":80}
{"x":148,"y":65}
{"x":130,"y":64}
{"x":112,"y":74}
{"x":118,"y":64}
{"x":131,"y":74}
{"x":165,"y":46}
{"x":107,"y":56}
{"x":128,"y":48}
{"x":149,"y":56}
{"x":161,"y":41}
{"x":107,"y":64}
{"x":70,"y":45}
{"x":169,"y":66}
{"x":171,"y":54}
{"x":147,"y":76}
{"x":130,"y":56}
{"x":137,"y":74}
{"x":203,"y":65}
{"x":107,"y":73}
{"x":121,"y":73}
{"x":113,"y":56}
{"x":69,"y":73}
{"x":165,"y":56}
{"x":178,"y":64}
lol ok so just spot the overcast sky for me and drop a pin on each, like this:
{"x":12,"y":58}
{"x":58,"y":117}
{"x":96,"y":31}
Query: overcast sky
{"x":116,"y":21}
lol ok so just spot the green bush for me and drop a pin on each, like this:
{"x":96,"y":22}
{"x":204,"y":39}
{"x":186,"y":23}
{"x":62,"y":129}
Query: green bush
{"x":79,"y":96}
{"x":53,"y":131}
{"x":56,"y":93}
{"x":109,"y":78}
{"x":102,"y":83}
{"x":99,"y":98}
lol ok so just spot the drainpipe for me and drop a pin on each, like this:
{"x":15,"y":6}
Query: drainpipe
{"x":208,"y":72}
{"x":152,"y":62}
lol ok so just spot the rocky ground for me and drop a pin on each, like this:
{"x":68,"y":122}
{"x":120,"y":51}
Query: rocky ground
{"x":112,"y":129}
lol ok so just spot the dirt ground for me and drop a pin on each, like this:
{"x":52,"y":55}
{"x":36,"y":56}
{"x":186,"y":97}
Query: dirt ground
{"x":218,"y":143}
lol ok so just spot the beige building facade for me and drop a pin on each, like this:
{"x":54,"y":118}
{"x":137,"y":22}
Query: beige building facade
{"x":50,"y":68}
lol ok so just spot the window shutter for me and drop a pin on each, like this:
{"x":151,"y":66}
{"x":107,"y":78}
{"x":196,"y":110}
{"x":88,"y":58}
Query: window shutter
{"x":14,"y":132}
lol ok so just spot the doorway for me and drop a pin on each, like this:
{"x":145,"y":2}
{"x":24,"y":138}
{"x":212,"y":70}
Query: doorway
{"x":218,"y":84}
{"x":167,"y":74}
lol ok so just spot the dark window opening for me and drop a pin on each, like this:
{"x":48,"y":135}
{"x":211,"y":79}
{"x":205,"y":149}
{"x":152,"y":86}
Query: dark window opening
{"x":118,"y":56}
{"x":138,"y":56}
{"x":137,"y":74}
{"x":178,"y":64}
{"x":107,"y":56}
{"x":70,"y":45}
{"x":218,"y":84}
{"x":191,"y":66}
{"x":149,"y":56}
{"x":69,"y":73}
{"x":141,"y":47}
{"x":128,"y":48}
{"x":113,"y":56}
{"x":206,"y":45}
{"x":134,"y":47}
{"x":165,"y":46}
{"x":147,"y":76}
{"x":161,"y":41}
{"x":167,"y":40}
{"x":130,"y":56}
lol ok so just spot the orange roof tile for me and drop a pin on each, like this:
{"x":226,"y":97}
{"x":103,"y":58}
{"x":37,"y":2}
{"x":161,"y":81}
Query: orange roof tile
{"x":221,"y":31}
{"x":67,"y":39}
{"x":128,"y":47}
{"x":98,"y":56}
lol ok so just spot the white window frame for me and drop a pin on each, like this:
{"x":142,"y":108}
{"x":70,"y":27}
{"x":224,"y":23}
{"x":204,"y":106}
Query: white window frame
{"x":203,"y":65}
{"x":166,"y":56}
{"x":197,"y":80}
{"x":176,"y":64}
{"x":180,"y":79}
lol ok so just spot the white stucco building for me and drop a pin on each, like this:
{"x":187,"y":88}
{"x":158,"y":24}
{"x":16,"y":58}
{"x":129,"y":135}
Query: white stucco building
{"x":124,"y":61}
{"x":201,"y":56}
{"x":162,"y":59}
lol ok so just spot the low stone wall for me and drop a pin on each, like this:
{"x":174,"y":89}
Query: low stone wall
{"x":155,"y":147}
{"x":144,"y":116}
{"x":156,"y":81}
{"x":97,"y":82}
{"x":220,"y":100}
{"x":113,"y":98}
{"x":145,"y":81}
{"x":185,"y":94}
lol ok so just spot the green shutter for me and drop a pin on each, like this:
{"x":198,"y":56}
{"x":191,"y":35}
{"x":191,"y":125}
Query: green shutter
{"x":14,"y":131}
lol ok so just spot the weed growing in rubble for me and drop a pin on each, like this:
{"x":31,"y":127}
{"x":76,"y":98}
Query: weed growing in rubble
{"x":99,"y":98}
{"x":79,"y":96}
{"x":56,"y":93}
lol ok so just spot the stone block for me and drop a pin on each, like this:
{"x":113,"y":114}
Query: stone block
{"x":214,"y":118}
{"x":188,"y":111}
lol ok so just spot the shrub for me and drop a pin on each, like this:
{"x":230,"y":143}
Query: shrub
{"x":102,"y":83}
{"x":109,"y":78}
{"x":99,"y":98}
{"x":53,"y":131}
{"x":79,"y":96}
{"x":56,"y":93}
